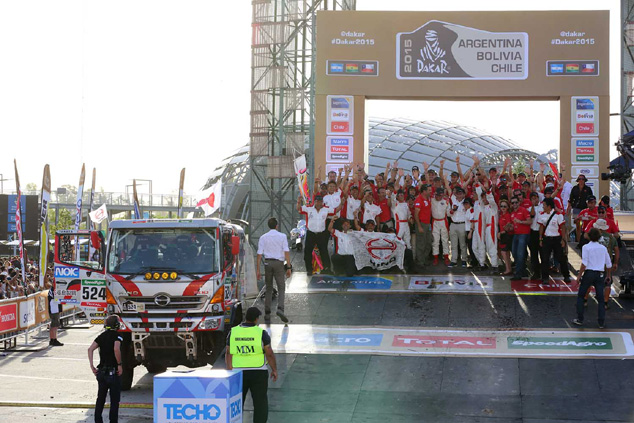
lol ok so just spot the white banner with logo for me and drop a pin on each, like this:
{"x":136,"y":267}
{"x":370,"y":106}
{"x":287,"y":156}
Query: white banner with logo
{"x":377,"y":250}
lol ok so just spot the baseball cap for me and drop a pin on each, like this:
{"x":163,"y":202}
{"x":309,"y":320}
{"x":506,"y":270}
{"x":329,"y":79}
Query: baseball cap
{"x":319,"y":198}
{"x":440,"y":191}
{"x":549,"y":190}
{"x":591,"y":198}
{"x":550,"y":185}
{"x":415,"y":168}
{"x":459,"y":189}
{"x":521,"y":174}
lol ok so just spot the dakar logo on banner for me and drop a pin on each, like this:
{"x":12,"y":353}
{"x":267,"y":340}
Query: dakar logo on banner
{"x":441,"y":50}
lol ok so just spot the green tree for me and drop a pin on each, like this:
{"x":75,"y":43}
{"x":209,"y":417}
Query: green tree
{"x":31,"y":189}
{"x":64,"y":221}
{"x":520,"y":166}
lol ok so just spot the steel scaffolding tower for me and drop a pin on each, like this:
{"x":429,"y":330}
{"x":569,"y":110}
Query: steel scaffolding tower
{"x":627,"y":78}
{"x":282,"y":60}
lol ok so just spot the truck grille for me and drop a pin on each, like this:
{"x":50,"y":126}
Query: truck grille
{"x":159,"y":302}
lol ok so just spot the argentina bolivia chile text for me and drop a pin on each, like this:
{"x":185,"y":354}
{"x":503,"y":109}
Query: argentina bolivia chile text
{"x":441,"y":50}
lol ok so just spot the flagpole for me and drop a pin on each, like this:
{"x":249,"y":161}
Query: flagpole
{"x":18,"y":222}
{"x":80,"y":196}
{"x":179,"y":213}
{"x":137,"y":209}
{"x":45,"y":198}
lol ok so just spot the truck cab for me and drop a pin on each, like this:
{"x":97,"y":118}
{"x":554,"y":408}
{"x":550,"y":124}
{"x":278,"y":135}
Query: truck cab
{"x":177,"y":287}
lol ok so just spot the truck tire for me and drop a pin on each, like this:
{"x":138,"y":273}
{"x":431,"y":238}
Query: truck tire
{"x":128,"y":362}
{"x":155,"y":368}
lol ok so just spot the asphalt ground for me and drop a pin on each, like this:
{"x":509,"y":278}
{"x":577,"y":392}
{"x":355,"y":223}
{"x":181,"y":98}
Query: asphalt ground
{"x":373,"y":386}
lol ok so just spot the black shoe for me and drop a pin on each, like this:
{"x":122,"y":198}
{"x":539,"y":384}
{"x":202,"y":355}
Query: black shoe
{"x":585,"y":303}
{"x":452,"y":264}
{"x":267,"y":318}
{"x":607,"y":305}
{"x":601,"y":325}
{"x":282,"y":316}
{"x":566,"y":280}
{"x":55,"y":343}
{"x":577,"y":322}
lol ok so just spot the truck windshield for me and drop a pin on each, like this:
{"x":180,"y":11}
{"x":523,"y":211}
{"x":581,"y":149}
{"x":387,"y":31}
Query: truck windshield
{"x":183,"y":250}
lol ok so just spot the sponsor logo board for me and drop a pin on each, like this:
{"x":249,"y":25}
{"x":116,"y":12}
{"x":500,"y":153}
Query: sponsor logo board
{"x":192,"y":410}
{"x":443,"y":50}
{"x":587,"y":171}
{"x":8,"y":317}
{"x":559,"y":343}
{"x":340,"y":115}
{"x":66,"y":272}
{"x":450,"y":283}
{"x":585,"y":116}
{"x":451,"y":342}
{"x":584,"y":151}
{"x":27,"y":313}
{"x":334,"y":283}
{"x":356,"y":339}
{"x":467,"y":342}
{"x":339,"y":149}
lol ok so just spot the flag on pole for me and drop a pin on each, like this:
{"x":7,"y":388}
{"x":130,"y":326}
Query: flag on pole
{"x":46,"y":198}
{"x":180,"y":195}
{"x":89,"y":224}
{"x":302,"y":176}
{"x":553,"y":167}
{"x":99,"y":215}
{"x":209,"y":200}
{"x":80,"y":196}
{"x":137,"y":209}
{"x":18,"y":221}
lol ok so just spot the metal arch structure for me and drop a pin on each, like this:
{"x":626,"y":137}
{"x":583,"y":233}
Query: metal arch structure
{"x":627,"y":90}
{"x":282,"y":98}
{"x":234,"y":173}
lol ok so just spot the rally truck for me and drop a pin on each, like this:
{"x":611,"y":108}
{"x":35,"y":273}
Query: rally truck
{"x":176,"y":285}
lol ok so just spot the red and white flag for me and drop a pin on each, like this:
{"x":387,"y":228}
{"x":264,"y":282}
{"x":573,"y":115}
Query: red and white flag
{"x":99,"y":215}
{"x":209,"y":199}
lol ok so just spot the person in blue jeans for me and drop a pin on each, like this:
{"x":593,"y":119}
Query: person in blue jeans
{"x":521,"y":219}
{"x":596,"y":268}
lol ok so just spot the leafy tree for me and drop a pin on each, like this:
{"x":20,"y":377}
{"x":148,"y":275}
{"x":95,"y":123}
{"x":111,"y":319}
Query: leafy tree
{"x":64,"y":221}
{"x":520,"y":166}
{"x":31,"y":189}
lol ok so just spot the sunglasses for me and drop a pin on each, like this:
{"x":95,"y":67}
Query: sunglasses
{"x":514,"y":202}
{"x":503,"y":207}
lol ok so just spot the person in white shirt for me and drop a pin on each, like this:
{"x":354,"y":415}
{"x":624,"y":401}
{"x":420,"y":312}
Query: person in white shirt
{"x":457,"y":229}
{"x":535,"y":211}
{"x":316,"y":234}
{"x":552,"y":225}
{"x":371,"y":211}
{"x":402,"y":216}
{"x":595,"y":265}
{"x":343,"y":259}
{"x":273,"y":248}
{"x":333,"y":198}
{"x":439,"y":209}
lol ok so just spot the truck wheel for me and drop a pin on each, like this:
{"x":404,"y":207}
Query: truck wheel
{"x":155,"y":368}
{"x":128,"y":362}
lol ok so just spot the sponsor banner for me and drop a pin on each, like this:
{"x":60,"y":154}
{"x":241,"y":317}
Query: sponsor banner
{"x":572,"y":68}
{"x":68,"y":291}
{"x":41,"y":306}
{"x":467,"y":342}
{"x":452,"y":283}
{"x":356,"y":339}
{"x":192,"y":410}
{"x":66,"y":272}
{"x":309,"y":339}
{"x":555,"y":286}
{"x":563,"y":343}
{"x":587,"y":171}
{"x":8,"y":316}
{"x":585,"y":117}
{"x":377,"y":250}
{"x":301,"y":171}
{"x":336,"y":283}
{"x":340,"y":115}
{"x":352,"y":67}
{"x":443,"y":50}
{"x":584,"y":151}
{"x":339,"y":149}
{"x":27,"y":313}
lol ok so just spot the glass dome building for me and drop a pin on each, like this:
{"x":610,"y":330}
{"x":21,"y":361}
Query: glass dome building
{"x":410,"y":142}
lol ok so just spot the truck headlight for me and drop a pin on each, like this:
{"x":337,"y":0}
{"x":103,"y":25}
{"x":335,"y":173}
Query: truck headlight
{"x":216,"y":308}
{"x":209,"y":324}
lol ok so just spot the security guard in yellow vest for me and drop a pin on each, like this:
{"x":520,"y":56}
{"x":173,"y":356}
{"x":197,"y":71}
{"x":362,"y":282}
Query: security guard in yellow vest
{"x":249,"y":349}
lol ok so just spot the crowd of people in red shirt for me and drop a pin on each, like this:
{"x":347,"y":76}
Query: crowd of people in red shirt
{"x":483,"y":219}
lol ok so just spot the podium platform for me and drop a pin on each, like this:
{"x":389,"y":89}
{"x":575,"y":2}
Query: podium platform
{"x":198,"y":396}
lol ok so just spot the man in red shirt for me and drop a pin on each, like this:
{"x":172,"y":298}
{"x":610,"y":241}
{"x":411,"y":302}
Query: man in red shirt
{"x":586,"y":215}
{"x":521,"y":219}
{"x":386,"y":212}
{"x":422,"y":216}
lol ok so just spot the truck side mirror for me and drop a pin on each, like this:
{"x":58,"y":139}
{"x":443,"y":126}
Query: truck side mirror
{"x":235,"y":245}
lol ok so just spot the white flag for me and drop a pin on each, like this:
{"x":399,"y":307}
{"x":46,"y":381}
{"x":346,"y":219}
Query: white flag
{"x":99,"y":215}
{"x":209,"y":199}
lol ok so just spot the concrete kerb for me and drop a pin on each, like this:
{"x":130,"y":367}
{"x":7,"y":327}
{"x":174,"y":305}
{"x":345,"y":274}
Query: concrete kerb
{"x":83,"y":405}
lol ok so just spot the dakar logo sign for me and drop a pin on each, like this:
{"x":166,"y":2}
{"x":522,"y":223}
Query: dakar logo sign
{"x":380,"y":248}
{"x":441,"y":50}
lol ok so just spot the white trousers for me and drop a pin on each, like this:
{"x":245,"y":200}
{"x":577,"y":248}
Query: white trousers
{"x":439,"y":234}
{"x":458,"y":238}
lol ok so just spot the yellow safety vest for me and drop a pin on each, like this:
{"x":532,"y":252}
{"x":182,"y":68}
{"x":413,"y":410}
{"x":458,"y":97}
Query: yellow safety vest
{"x":245,"y":346}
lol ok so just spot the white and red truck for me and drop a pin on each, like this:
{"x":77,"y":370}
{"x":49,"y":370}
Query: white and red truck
{"x":177,"y":286}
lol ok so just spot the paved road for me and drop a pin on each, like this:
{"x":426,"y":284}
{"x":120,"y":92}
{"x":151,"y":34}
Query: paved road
{"x":367,"y":387}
